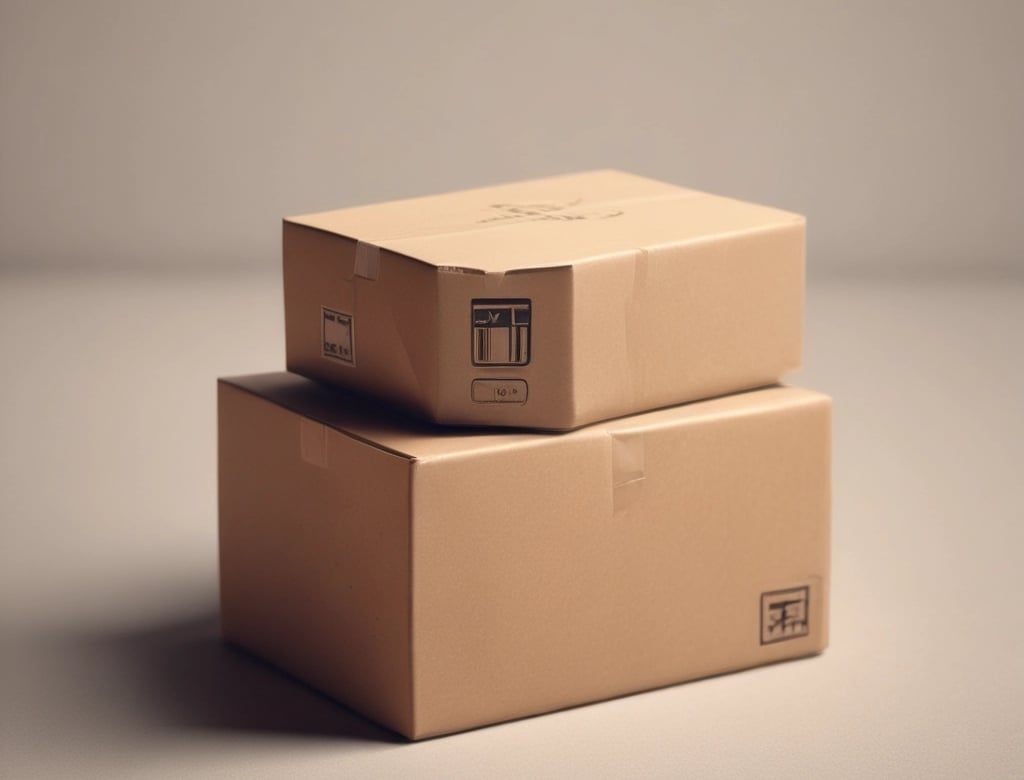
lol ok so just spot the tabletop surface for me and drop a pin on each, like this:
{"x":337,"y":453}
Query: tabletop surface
{"x":110,"y":662}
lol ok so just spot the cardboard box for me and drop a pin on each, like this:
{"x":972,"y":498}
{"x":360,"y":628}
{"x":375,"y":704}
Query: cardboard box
{"x":437,"y":581}
{"x":546,"y":304}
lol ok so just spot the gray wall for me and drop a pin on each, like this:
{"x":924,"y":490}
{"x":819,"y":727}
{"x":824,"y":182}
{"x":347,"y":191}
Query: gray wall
{"x":178,"y":133}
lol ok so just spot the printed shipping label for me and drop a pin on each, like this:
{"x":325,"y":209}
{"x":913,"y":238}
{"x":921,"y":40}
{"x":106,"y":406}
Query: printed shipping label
{"x":338,"y":341}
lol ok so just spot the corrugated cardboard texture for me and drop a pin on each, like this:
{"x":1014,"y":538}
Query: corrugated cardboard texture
{"x":630,"y":294}
{"x":438,"y":581}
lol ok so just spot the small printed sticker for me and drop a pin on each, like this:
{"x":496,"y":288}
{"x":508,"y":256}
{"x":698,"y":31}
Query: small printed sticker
{"x":338,"y":342}
{"x":499,"y":391}
{"x":784,"y":614}
{"x":501,"y":331}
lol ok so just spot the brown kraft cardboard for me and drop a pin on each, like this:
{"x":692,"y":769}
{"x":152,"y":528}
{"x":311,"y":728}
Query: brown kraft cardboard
{"x":546,"y":304}
{"x":438,"y":580}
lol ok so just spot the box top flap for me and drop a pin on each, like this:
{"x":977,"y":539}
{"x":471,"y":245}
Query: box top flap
{"x":381,"y":427}
{"x":546,"y":223}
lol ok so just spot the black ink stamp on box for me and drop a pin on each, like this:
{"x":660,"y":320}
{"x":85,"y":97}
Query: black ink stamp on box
{"x":784,"y":614}
{"x":337,"y":334}
{"x":501,"y":330}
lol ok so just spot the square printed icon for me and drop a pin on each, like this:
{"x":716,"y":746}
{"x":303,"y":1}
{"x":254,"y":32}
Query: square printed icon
{"x":337,"y":336}
{"x":784,"y":614}
{"x":501,"y":331}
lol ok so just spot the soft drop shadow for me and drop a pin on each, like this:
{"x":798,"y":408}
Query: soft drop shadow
{"x":182,"y":675}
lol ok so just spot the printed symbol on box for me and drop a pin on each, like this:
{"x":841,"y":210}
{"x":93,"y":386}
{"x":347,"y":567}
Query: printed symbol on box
{"x":499,"y":391}
{"x":784,"y":614}
{"x":569,"y":211}
{"x":337,"y":336}
{"x":501,"y":331}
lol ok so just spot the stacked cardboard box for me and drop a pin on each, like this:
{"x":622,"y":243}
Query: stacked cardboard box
{"x":487,"y":488}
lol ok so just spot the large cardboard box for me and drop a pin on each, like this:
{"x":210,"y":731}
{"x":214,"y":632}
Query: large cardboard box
{"x":438,"y":581}
{"x":546,"y":304}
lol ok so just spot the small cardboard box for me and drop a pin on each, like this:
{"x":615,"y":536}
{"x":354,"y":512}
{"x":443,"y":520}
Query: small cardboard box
{"x":546,"y":304}
{"x":438,"y":581}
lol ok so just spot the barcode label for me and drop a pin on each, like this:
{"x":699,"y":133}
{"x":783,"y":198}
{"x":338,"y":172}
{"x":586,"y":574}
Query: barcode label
{"x":501,"y":332}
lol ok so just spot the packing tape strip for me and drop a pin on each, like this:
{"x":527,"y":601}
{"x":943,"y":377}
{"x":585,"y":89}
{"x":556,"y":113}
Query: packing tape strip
{"x":628,"y":468}
{"x":367,"y":265}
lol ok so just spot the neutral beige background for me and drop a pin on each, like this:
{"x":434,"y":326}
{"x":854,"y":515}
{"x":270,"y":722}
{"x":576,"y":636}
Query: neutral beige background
{"x":147,"y":153}
{"x":142,"y":133}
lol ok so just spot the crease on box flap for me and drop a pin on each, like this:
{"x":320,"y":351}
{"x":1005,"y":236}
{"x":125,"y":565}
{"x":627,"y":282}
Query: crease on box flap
{"x":405,"y":330}
{"x":365,"y":264}
{"x":345,"y":297}
{"x":628,"y":468}
{"x":313,"y":442}
{"x":636,"y":325}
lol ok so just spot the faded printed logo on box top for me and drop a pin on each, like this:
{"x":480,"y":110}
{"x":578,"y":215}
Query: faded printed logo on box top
{"x":501,"y":331}
{"x":785,"y":614}
{"x":337,"y":331}
{"x":568,"y":211}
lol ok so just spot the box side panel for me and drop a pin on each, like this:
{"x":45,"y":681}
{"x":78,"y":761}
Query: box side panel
{"x":505,"y":349}
{"x":314,"y":550}
{"x":550,"y":576}
{"x":360,"y":318}
{"x":669,"y":325}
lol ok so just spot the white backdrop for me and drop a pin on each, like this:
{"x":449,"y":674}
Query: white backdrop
{"x":178,"y":133}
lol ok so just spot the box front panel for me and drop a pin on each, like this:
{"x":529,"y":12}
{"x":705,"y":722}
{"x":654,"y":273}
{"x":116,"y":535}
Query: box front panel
{"x":579,"y":569}
{"x":314,"y":551}
{"x":506,"y":346}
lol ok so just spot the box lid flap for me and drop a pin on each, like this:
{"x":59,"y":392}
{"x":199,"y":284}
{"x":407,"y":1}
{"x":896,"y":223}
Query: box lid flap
{"x":546,"y":223}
